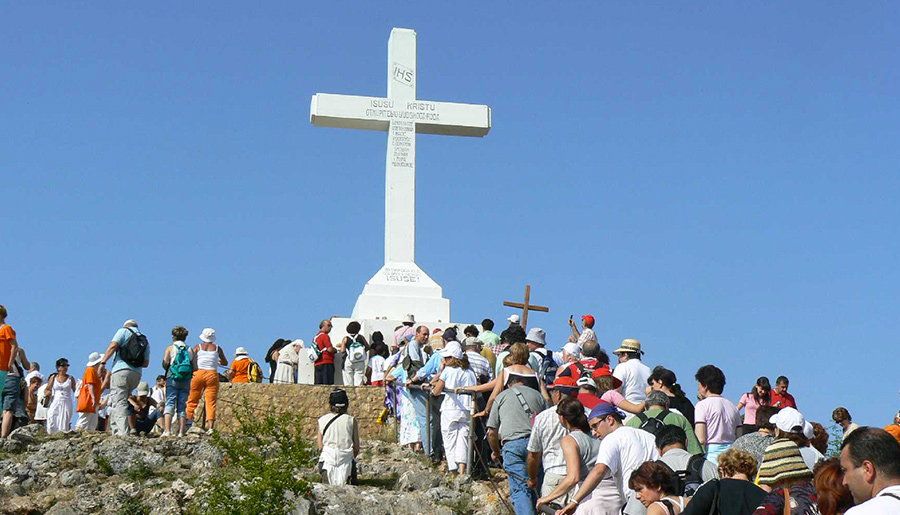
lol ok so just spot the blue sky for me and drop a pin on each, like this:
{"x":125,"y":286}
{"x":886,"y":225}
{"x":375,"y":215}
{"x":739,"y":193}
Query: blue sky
{"x":717,"y":181}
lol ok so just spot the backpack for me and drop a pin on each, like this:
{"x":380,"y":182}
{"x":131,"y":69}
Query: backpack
{"x":548,"y":366}
{"x":134,"y":349}
{"x":653,"y":425}
{"x":688,"y":481}
{"x":356,"y":351}
{"x":585,"y":371}
{"x":254,"y":372}
{"x":181,"y":367}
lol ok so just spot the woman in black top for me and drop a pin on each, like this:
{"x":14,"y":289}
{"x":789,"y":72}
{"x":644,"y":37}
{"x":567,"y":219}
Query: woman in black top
{"x":664,"y":380}
{"x":734,"y":494}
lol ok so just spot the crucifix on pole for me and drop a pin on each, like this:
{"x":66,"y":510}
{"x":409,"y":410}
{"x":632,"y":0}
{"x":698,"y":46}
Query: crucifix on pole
{"x":526,"y":306}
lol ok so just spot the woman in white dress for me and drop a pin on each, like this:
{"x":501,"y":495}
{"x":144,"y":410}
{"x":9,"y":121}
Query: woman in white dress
{"x":410,"y":430}
{"x":338,"y":440}
{"x":61,"y":386}
{"x":287,"y":358}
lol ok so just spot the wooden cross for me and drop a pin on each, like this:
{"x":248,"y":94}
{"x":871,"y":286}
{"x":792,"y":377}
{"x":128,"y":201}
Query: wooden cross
{"x":525,"y":306}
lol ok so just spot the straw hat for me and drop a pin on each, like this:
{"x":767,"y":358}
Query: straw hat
{"x":629,"y":345}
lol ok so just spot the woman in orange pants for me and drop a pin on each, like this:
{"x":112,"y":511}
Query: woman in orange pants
{"x":206,"y":378}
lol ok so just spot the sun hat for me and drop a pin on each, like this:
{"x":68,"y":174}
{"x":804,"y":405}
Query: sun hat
{"x":536,"y":335}
{"x":513,"y":319}
{"x":94,"y":358}
{"x":240,"y":351}
{"x":808,"y":430}
{"x":338,"y":398}
{"x":788,"y":420}
{"x":409,"y":319}
{"x":573,"y":349}
{"x":436,"y":342}
{"x":782,"y":460}
{"x":589,"y":319}
{"x":564,"y":384}
{"x":452,"y":350}
{"x":143,"y":388}
{"x":208,"y":335}
{"x":471,"y":342}
{"x":603,"y":409}
{"x":604,"y":371}
{"x":629,"y":345}
{"x":129,"y":322}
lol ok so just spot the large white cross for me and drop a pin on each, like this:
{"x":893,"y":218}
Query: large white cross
{"x":402,"y":116}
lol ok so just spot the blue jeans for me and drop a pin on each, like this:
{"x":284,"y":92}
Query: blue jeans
{"x":523,"y":498}
{"x":177,"y":396}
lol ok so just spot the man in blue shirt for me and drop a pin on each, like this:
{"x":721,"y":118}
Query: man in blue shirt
{"x":124,"y":378}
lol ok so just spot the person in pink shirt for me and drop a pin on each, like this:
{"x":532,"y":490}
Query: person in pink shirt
{"x":715,"y":417}
{"x":760,"y":395}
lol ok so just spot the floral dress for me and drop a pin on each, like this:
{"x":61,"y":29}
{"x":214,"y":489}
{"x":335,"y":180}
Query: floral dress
{"x":410,"y":429}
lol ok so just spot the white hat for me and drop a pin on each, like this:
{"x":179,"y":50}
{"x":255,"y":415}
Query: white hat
{"x":208,"y":335}
{"x":808,"y":430}
{"x":787,"y":419}
{"x":143,"y":388}
{"x":240,"y":351}
{"x":299,"y":343}
{"x":452,"y":350}
{"x":513,"y":319}
{"x":536,"y":335}
{"x":572,"y":349}
{"x":472,"y":341}
{"x":94,"y":358}
{"x":409,"y":319}
{"x":130,"y":322}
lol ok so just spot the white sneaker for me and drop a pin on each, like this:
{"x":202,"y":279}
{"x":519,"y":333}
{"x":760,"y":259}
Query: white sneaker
{"x":165,"y":434}
{"x":209,"y":431}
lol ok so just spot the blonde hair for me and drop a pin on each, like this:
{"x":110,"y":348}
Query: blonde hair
{"x":520,"y":354}
{"x":734,"y":461}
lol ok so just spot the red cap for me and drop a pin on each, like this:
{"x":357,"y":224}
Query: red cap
{"x":604,"y":371}
{"x":588,"y":319}
{"x":563,"y":382}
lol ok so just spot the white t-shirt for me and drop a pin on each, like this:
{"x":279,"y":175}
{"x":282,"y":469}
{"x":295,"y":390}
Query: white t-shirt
{"x":881,"y":504}
{"x":586,"y":336}
{"x":546,"y":437}
{"x":456,"y":377}
{"x":378,"y":366}
{"x":159,"y":395}
{"x":633,"y":374}
{"x":623,"y":451}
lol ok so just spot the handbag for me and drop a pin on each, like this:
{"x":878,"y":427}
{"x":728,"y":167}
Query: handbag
{"x":45,"y":402}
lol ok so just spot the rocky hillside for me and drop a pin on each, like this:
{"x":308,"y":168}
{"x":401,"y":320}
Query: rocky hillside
{"x":81,"y":473}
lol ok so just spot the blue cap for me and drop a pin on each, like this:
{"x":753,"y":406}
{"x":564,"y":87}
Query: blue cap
{"x":603,"y":409}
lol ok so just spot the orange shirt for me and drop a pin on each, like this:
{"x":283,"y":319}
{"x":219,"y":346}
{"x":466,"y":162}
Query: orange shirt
{"x":894,"y":430}
{"x":6,"y":336}
{"x":92,"y":378}
{"x":239,"y":369}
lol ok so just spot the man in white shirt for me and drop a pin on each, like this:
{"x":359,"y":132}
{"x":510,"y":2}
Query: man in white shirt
{"x":870,"y":459}
{"x":587,"y":331}
{"x":544,"y":444}
{"x":622,"y":450}
{"x":632,"y":371}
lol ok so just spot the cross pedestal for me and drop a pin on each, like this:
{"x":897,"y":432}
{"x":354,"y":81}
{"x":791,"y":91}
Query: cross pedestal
{"x":400,"y":287}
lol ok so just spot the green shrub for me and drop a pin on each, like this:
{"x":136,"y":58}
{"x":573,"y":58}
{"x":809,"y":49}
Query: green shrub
{"x":131,"y":505}
{"x":104,"y":465}
{"x":139,"y":470}
{"x":262,"y":468}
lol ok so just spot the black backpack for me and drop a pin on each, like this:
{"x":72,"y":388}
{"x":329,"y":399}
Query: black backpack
{"x":134,"y":350}
{"x":653,"y":425}
{"x":690,"y":479}
{"x":548,"y":366}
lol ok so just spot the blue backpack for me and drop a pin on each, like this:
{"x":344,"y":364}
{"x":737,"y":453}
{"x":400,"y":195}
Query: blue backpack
{"x":181,"y":367}
{"x":548,"y":366}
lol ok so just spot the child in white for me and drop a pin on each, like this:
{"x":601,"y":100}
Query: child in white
{"x":456,"y":409}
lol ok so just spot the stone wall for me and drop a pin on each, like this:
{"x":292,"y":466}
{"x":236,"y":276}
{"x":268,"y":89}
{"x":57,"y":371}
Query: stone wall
{"x":366,"y":402}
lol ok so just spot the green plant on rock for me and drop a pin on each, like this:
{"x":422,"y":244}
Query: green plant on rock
{"x":139,"y":470}
{"x":104,"y":465}
{"x":131,"y":505}
{"x":262,"y":469}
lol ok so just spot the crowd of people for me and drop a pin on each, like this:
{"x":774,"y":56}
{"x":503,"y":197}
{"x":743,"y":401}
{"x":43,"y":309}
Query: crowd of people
{"x":574,"y":432}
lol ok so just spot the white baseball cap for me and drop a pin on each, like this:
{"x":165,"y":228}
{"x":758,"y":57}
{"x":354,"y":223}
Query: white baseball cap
{"x":452,"y":350}
{"x":513,"y":319}
{"x":787,"y":419}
